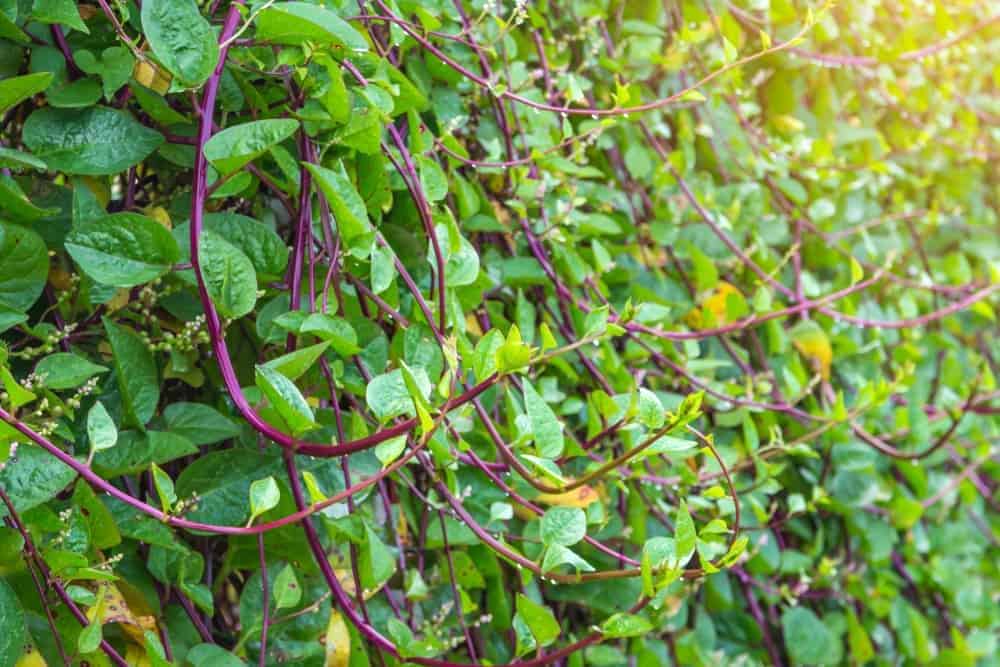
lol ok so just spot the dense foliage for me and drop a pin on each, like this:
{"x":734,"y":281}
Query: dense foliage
{"x":575,"y":332}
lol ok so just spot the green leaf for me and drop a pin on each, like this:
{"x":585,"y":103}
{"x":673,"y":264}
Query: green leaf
{"x":10,"y":30}
{"x":101,"y":429}
{"x":348,"y":207}
{"x":236,"y":146}
{"x":13,"y":632}
{"x":685,"y":537}
{"x":416,"y":392}
{"x":383,"y":270}
{"x":164,"y":487}
{"x":181,"y":39}
{"x":389,"y":450}
{"x":540,"y":621}
{"x":296,"y":22}
{"x":563,"y":526}
{"x":16,"y":393}
{"x":96,"y":141}
{"x":89,"y":639}
{"x":103,"y":530}
{"x":336,"y":100}
{"x":11,"y":544}
{"x":135,"y":369}
{"x":705,"y":274}
{"x":807,"y":638}
{"x":650,"y":411}
{"x":857,"y":639}
{"x":287,"y":590}
{"x":264,"y":497}
{"x":692,"y":96}
{"x":66,"y":370}
{"x":286,"y":399}
{"x":432,"y":178}
{"x":114,"y":67}
{"x":625,"y":625}
{"x":556,"y":555}
{"x":513,"y":354}
{"x":16,"y":89}
{"x":261,"y":244}
{"x":210,"y":655}
{"x":16,"y":204}
{"x":376,"y":564}
{"x":294,"y":364}
{"x":857,"y":273}
{"x":123,"y":249}
{"x":336,"y":331}
{"x":545,"y":426}
{"x":59,"y":12}
{"x":229,"y":276}
{"x":24,"y":266}
{"x":31,"y":477}
{"x":222,"y":479}
{"x":135,"y":450}
{"x":198,"y":423}
{"x":388,"y":396}
{"x":15,"y":159}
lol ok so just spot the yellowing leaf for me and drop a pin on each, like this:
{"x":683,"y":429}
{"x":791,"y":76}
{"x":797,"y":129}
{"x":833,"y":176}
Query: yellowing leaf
{"x":812,"y":343}
{"x":160,"y":214}
{"x":788,"y":124}
{"x":337,"y":641}
{"x":581,"y":498}
{"x":151,"y":76}
{"x":136,"y":656}
{"x":714,"y":303}
{"x":119,"y":300}
{"x":60,"y":278}
{"x":346,"y":579}
{"x":31,"y":658}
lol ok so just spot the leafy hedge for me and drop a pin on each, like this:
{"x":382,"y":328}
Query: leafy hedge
{"x":574,"y":333}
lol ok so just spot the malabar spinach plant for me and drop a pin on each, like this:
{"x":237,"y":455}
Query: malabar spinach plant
{"x":471,"y":332}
